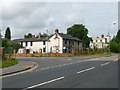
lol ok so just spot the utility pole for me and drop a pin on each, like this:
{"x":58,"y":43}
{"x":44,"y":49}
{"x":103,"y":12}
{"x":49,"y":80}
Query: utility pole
{"x":47,"y":42}
{"x":114,"y":23}
{"x":109,"y":37}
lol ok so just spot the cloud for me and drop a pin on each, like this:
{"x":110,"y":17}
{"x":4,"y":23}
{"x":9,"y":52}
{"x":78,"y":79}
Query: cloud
{"x":38,"y":17}
{"x":19,"y":9}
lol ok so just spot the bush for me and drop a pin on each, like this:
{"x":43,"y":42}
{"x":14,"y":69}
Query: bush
{"x":114,"y":47}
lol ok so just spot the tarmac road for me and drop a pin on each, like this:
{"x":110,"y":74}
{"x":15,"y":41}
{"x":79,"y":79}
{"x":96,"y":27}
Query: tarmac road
{"x":67,"y":72}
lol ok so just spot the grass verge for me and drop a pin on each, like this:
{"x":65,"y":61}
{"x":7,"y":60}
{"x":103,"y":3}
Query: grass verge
{"x":8,"y":62}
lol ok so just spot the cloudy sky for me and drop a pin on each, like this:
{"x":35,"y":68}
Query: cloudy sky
{"x":35,"y":17}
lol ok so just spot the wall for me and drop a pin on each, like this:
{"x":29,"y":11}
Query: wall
{"x":72,"y":45}
{"x":35,"y":47}
{"x":54,"y":43}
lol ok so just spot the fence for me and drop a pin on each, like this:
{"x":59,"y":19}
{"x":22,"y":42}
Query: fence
{"x":83,"y":51}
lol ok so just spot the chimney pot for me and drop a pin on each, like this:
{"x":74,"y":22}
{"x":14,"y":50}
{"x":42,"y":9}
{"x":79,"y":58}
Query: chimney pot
{"x":102,"y":36}
{"x":56,"y":31}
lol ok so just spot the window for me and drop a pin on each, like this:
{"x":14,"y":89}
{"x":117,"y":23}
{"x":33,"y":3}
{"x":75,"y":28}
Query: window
{"x":100,"y":40}
{"x":21,"y":44}
{"x":73,"y":42}
{"x":96,"y":41}
{"x":78,"y":43}
{"x":31,"y":43}
{"x":43,"y":42}
{"x":26,"y":43}
{"x":69,"y":42}
{"x":65,"y":42}
{"x":44,"y":49}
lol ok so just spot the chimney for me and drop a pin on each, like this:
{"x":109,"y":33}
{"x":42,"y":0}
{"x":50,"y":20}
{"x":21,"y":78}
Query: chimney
{"x":56,"y":31}
{"x":102,"y":36}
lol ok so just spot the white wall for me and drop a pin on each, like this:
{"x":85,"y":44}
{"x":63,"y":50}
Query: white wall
{"x":35,"y":47}
{"x":56,"y":42}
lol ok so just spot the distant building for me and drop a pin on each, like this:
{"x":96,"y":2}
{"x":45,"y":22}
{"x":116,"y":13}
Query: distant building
{"x":100,"y":42}
{"x":58,"y":42}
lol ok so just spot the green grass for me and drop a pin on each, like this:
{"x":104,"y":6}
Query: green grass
{"x":8,"y":62}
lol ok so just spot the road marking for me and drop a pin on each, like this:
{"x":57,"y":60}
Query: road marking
{"x":60,"y":65}
{"x":86,"y":70}
{"x":69,"y":59}
{"x":44,"y":68}
{"x":104,"y":64}
{"x":44,"y":83}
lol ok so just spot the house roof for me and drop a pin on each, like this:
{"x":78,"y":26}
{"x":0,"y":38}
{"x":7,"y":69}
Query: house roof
{"x":5,"y":39}
{"x":30,"y":39}
{"x":68,"y":37}
{"x":64,"y":36}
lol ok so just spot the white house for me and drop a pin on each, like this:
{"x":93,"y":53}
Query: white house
{"x":58,"y":42}
{"x":100,"y":42}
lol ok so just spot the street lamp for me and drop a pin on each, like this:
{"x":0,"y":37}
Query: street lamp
{"x":114,"y":23}
{"x":47,"y":42}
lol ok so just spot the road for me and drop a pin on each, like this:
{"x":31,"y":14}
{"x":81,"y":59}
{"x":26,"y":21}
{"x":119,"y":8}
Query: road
{"x":67,"y":72}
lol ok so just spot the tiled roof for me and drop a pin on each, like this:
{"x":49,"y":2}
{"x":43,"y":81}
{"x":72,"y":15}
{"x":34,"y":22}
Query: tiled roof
{"x":64,"y":36}
{"x":30,"y":39}
{"x":68,"y":37}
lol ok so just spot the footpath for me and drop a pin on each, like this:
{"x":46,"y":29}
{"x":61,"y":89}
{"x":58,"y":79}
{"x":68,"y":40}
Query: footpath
{"x":20,"y":67}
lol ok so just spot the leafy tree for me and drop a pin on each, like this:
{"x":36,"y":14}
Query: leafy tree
{"x":118,"y":36}
{"x":8,"y":33}
{"x":114,"y":46}
{"x":29,"y":35}
{"x":10,"y":45}
{"x":44,"y":35}
{"x":115,"y":43}
{"x":79,"y":31}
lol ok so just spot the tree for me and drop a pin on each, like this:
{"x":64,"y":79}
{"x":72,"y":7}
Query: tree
{"x":44,"y":35}
{"x":114,"y":46}
{"x":79,"y":31}
{"x":8,"y":45}
{"x":115,"y":43}
{"x":8,"y":33}
{"x":29,"y":35}
{"x":118,"y":36}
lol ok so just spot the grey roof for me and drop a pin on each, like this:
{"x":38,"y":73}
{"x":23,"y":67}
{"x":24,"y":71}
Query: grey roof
{"x":30,"y":39}
{"x":64,"y":36}
{"x":68,"y":37}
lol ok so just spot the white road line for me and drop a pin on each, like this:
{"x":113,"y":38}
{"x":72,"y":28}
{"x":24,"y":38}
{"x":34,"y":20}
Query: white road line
{"x":69,"y":59}
{"x":86,"y":70}
{"x":60,"y":65}
{"x":44,"y":83}
{"x":104,"y":64}
{"x":44,"y":68}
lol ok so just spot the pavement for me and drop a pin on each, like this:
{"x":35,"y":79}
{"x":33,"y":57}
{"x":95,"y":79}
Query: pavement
{"x":21,"y":66}
{"x":67,"y":72}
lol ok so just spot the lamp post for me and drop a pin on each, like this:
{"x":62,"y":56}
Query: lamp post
{"x":114,"y":23}
{"x":47,"y":42}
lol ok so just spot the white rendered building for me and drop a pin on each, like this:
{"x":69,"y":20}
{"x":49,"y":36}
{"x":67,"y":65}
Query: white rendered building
{"x":58,"y":42}
{"x":100,"y":42}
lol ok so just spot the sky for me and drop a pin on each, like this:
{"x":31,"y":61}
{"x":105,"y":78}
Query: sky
{"x":38,"y":17}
